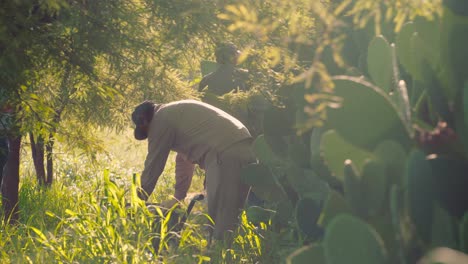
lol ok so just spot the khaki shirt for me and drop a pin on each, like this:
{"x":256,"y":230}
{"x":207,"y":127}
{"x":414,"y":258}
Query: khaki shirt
{"x":192,"y":129}
{"x":225,"y":79}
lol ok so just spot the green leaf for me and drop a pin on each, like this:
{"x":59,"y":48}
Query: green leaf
{"x":39,"y":233}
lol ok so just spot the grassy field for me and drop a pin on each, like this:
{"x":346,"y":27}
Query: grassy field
{"x":82,"y":218}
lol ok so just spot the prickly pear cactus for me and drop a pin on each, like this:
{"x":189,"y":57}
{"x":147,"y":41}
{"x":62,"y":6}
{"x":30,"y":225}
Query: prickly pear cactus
{"x":404,"y":48}
{"x":306,"y":183}
{"x":379,"y":63}
{"x":264,"y":153}
{"x":450,"y":176}
{"x":307,"y":214}
{"x":299,"y":153}
{"x":307,"y":254}
{"x":278,"y":121}
{"x":334,"y":205}
{"x":393,"y":155}
{"x":443,"y":229}
{"x":421,"y":188}
{"x":263,"y":183}
{"x":395,"y":208}
{"x":352,"y":189}
{"x":350,"y":240}
{"x":367,"y":115}
{"x":336,"y":150}
{"x":374,"y":186}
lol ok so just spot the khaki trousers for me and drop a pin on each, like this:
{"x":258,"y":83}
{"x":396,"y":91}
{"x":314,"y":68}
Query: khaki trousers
{"x":225,"y":192}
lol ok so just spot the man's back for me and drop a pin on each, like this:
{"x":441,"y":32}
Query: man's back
{"x":199,"y":127}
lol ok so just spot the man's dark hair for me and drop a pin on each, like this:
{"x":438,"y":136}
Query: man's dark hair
{"x":226,"y":52}
{"x":143,"y":111}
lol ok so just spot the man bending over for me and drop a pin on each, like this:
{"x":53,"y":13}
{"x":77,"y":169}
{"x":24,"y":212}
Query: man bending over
{"x":200,"y":134}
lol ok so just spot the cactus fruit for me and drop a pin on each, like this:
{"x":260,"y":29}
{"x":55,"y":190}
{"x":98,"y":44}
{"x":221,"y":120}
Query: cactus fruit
{"x":421,"y":188}
{"x":379,"y":63}
{"x":307,"y":254}
{"x":367,"y":115}
{"x":348,"y":239}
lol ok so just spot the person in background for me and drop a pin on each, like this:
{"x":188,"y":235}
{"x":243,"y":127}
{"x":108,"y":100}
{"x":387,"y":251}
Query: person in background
{"x":200,"y":134}
{"x":227,"y":77}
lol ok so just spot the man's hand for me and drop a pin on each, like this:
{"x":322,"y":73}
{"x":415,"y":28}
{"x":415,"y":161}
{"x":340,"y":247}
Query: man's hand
{"x":169,"y":203}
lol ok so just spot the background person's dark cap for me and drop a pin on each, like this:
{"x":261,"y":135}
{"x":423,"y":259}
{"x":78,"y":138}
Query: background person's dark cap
{"x":143,"y":112}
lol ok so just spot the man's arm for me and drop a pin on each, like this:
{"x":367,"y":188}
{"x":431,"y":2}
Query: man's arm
{"x":160,"y":140}
{"x":204,"y":82}
{"x":183,"y":174}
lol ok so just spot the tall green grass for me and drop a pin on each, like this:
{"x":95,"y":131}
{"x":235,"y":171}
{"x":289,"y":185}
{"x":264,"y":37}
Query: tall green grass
{"x":83,"y":217}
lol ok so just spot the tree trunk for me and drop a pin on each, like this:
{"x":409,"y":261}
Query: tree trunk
{"x":50,"y":161}
{"x":10,"y":185}
{"x":37,"y":150}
